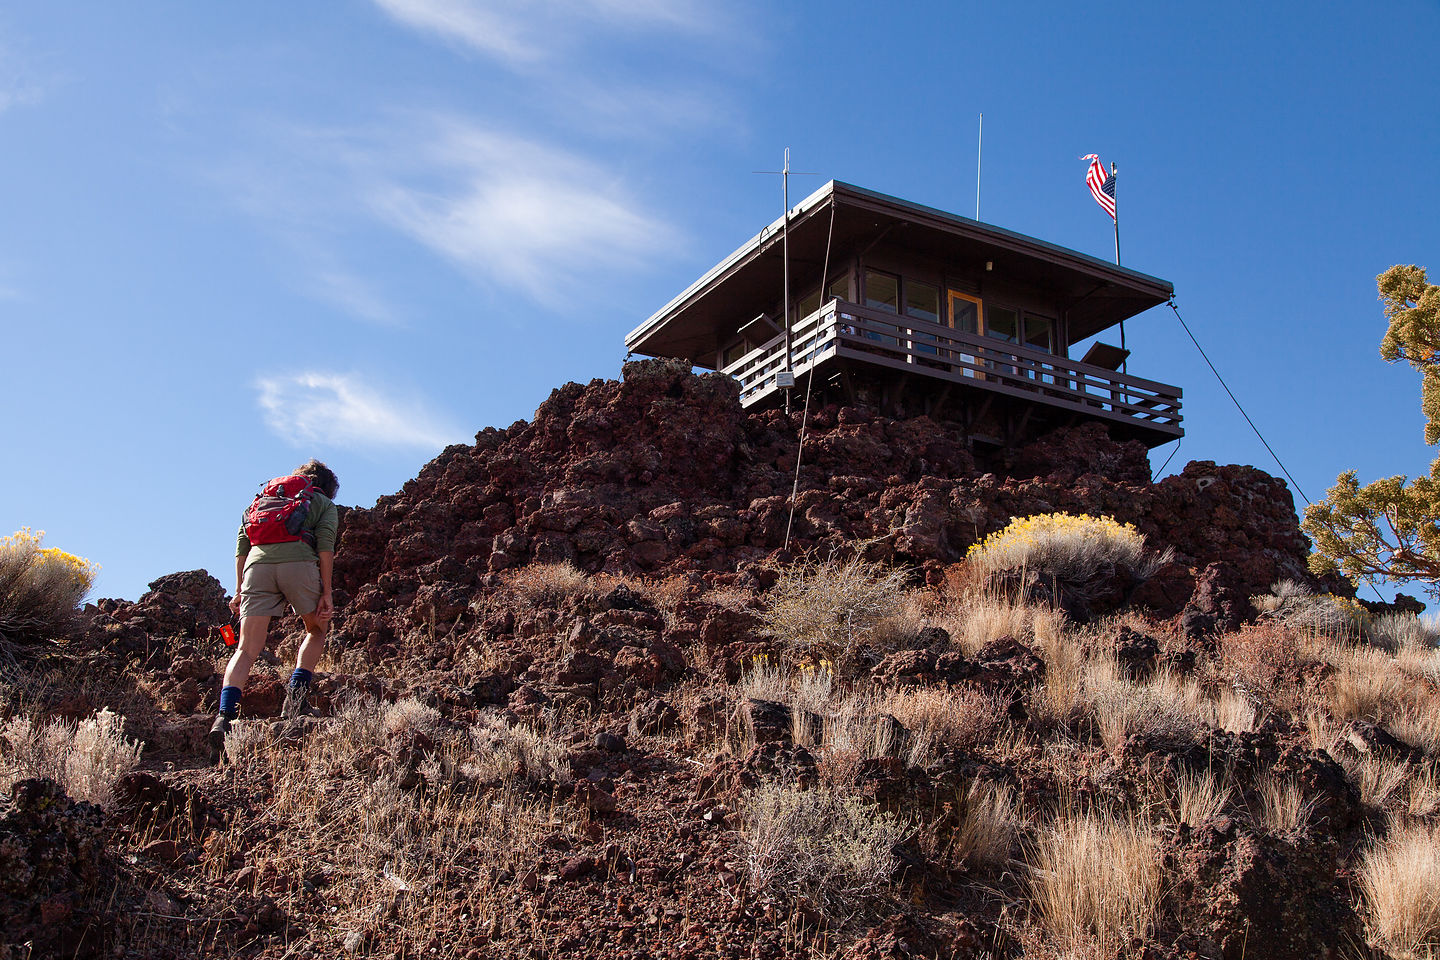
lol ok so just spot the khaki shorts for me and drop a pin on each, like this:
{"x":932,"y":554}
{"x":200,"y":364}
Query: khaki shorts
{"x":267,"y":587}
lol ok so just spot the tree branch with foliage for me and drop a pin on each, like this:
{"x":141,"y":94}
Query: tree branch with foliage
{"x":1391,"y":528}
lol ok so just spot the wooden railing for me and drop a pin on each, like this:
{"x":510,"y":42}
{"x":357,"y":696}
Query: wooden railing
{"x":841,"y":329}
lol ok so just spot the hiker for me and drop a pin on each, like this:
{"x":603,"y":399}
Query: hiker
{"x":283,"y":555}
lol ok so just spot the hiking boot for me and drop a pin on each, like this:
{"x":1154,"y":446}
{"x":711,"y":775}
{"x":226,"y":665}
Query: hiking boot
{"x":218,"y":729}
{"x":297,"y":701}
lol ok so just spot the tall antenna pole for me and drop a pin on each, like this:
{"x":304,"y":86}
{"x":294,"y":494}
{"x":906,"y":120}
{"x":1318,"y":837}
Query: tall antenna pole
{"x":785,"y":255}
{"x":979,"y":149}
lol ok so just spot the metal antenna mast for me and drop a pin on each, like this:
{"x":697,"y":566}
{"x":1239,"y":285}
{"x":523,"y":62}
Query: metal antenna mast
{"x":979,"y":152}
{"x":784,"y":174}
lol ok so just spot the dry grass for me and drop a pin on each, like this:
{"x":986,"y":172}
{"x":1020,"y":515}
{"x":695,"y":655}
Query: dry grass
{"x":1096,"y":883}
{"x":503,"y":750}
{"x":547,"y":584}
{"x":1422,"y":793}
{"x":1061,"y":699}
{"x":396,"y":858}
{"x":1300,"y":608}
{"x":838,"y":851}
{"x":1402,"y":631}
{"x":963,"y":719}
{"x":1120,"y":708}
{"x":987,"y":827}
{"x":1399,"y":879}
{"x":1366,"y":685}
{"x":1284,"y":809}
{"x":901,"y":629}
{"x":85,"y":759}
{"x":826,"y":609}
{"x":979,"y":617}
{"x":1200,"y":797}
{"x":1378,"y":780}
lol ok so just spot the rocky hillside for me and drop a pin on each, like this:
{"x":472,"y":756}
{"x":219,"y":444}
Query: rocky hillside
{"x":580,"y":699}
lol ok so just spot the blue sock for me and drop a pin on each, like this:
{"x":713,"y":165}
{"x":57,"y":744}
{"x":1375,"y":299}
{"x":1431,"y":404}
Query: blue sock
{"x":229,"y":702}
{"x":300,"y":678}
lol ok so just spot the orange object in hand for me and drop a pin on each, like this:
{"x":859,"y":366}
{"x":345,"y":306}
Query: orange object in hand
{"x":228,"y":632}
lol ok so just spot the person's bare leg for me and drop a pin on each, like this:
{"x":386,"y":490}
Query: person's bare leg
{"x":253,"y":631}
{"x":297,"y":693}
{"x":314,"y":643}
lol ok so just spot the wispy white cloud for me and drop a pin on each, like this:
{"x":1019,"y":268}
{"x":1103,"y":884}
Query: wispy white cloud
{"x":318,"y":408}
{"x":20,"y":82}
{"x":521,"y":32}
{"x":513,"y":211}
{"x":353,"y":294}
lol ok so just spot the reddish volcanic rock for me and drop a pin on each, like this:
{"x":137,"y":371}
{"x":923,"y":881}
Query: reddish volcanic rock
{"x":662,"y":473}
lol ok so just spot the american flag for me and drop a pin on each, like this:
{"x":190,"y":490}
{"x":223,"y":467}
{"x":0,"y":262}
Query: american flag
{"x":1101,"y":184}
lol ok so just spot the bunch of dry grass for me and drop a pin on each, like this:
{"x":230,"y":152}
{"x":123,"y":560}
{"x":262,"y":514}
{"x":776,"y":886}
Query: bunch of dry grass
{"x":1120,"y":708}
{"x":978,"y":617}
{"x":1400,"y":883}
{"x":1200,"y":796}
{"x":961,"y":719}
{"x":1096,"y":883}
{"x":1284,"y":808}
{"x":1417,"y":722}
{"x":548,"y":584}
{"x":1061,"y":698}
{"x":1378,"y":780}
{"x":826,"y":609}
{"x":1301,"y":608}
{"x":902,"y":628}
{"x":987,"y":827}
{"x":1402,"y":631}
{"x":1366,"y":685}
{"x":85,"y":759}
{"x":839,"y":851}
{"x":503,"y":750}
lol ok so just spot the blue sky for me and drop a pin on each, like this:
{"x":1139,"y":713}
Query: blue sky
{"x":240,"y":235}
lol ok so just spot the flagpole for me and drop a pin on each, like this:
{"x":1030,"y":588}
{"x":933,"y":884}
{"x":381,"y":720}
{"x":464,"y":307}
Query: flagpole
{"x":1116,"y":197}
{"x":1115,"y":185}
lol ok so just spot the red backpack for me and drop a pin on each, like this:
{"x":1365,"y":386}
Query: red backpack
{"x":277,"y":514}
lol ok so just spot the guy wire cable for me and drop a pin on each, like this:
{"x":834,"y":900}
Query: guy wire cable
{"x":1237,"y":402}
{"x":1167,"y":459}
{"x":1373,"y":589}
{"x":810,"y":380}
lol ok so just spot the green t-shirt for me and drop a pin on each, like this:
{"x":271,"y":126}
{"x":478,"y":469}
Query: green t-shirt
{"x":323,"y":520}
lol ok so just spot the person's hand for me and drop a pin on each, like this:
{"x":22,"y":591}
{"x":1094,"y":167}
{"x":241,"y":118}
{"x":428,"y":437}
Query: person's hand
{"x":235,"y":605}
{"x":325,"y":609}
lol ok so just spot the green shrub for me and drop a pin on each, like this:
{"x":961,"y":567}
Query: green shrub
{"x":824,"y":610}
{"x":40,"y":587}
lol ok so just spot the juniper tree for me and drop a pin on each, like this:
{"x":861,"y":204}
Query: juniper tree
{"x":1391,"y":528}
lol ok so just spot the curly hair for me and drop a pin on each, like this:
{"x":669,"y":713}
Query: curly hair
{"x":322,"y":476}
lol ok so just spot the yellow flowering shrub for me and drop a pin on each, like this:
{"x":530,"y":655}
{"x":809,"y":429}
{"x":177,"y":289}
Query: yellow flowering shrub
{"x":1060,"y":545}
{"x":40,"y":587}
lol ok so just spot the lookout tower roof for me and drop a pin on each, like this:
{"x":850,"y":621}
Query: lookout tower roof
{"x":1093,"y":293}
